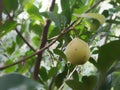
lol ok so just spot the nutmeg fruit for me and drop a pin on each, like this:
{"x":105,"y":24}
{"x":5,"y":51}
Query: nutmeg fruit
{"x":77,"y":51}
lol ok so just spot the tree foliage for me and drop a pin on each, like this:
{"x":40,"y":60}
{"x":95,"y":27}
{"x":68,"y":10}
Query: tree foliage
{"x":32,"y":44}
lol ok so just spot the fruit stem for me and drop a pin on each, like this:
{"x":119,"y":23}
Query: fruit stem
{"x":60,"y":88}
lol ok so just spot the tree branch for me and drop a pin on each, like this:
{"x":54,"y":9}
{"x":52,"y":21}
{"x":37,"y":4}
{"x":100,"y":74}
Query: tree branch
{"x":24,"y":40}
{"x":66,"y":30}
{"x":108,"y":30}
{"x":20,"y":33}
{"x":43,"y":42}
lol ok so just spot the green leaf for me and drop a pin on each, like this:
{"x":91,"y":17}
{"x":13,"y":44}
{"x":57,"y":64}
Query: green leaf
{"x":16,"y":81}
{"x":60,"y":78}
{"x":54,"y":32}
{"x":11,"y":49}
{"x":106,"y":85}
{"x":89,"y":82}
{"x":73,"y":3}
{"x":116,"y":81}
{"x":24,"y":2}
{"x":58,"y":19}
{"x":7,"y":27}
{"x":118,"y":1}
{"x":43,"y":73}
{"x":108,"y":54}
{"x":33,"y":12}
{"x":86,"y":84}
{"x":55,"y":8}
{"x":94,"y":25}
{"x":37,"y":29}
{"x":79,"y":7}
{"x":19,"y":41}
{"x":96,"y":16}
{"x":52,"y":72}
{"x":76,"y":76}
{"x":91,"y":60}
{"x":23,"y":67}
{"x":36,"y":41}
{"x":10,"y":69}
{"x":9,"y":6}
{"x":60,"y":53}
{"x":114,"y":10}
{"x":75,"y":85}
{"x":105,"y":13}
{"x":66,"y":10}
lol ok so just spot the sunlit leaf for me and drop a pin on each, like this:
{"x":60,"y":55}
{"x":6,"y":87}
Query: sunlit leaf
{"x":7,"y":27}
{"x":37,"y":29}
{"x":10,"y":69}
{"x":99,"y":17}
{"x":33,"y":12}
{"x":36,"y":41}
{"x":60,"y":53}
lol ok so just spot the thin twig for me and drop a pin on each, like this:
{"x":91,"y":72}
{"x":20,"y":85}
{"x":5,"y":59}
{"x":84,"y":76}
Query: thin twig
{"x":43,"y":43}
{"x":92,"y":7}
{"x":109,"y":28}
{"x":11,"y":18}
{"x":24,"y":40}
{"x":107,"y":36}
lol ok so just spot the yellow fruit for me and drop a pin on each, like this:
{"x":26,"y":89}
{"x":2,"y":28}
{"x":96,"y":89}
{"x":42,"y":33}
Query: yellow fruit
{"x":77,"y":51}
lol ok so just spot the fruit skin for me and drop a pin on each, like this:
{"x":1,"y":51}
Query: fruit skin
{"x":77,"y":51}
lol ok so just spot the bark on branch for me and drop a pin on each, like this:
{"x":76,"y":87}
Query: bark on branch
{"x":43,"y":42}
